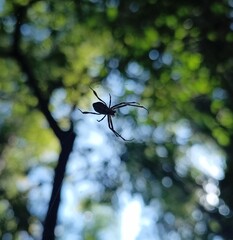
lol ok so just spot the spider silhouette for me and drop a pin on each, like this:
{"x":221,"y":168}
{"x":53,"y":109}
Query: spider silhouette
{"x":102,"y":108}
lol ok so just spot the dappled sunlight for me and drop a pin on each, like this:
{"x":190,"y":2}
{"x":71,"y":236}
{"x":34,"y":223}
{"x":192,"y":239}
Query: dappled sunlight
{"x":115,"y":82}
{"x":208,"y":160}
{"x":130,"y":220}
{"x":136,"y":219}
{"x":38,"y":35}
{"x":60,"y":109}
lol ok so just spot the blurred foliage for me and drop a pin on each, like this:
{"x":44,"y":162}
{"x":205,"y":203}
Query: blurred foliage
{"x":174,"y":57}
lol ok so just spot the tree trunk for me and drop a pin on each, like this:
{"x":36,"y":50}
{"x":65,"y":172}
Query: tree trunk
{"x":67,"y":143}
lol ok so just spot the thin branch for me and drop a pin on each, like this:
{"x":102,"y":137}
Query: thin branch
{"x":31,"y":79}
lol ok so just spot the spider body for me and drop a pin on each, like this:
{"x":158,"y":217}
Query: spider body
{"x":101,"y":108}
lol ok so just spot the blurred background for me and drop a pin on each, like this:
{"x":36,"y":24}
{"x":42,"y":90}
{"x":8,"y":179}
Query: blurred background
{"x":174,"y":179}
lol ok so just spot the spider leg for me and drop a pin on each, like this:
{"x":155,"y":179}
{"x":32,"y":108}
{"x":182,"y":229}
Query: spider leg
{"x":112,"y":129}
{"x":101,"y":118}
{"x":124,"y":104}
{"x":98,"y":96}
{"x":136,"y":103}
{"x":110,"y":101}
{"x":88,"y":112}
{"x":110,"y":125}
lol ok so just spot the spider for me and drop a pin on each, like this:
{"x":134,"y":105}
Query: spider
{"x":102,"y":108}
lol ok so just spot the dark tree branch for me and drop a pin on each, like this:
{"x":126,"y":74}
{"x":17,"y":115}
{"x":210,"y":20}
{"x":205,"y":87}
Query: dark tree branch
{"x":31,"y":79}
{"x":66,"y":138}
{"x":43,"y":103}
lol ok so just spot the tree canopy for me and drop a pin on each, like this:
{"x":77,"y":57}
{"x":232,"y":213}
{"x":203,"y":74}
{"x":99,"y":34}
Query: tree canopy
{"x":64,"y":175}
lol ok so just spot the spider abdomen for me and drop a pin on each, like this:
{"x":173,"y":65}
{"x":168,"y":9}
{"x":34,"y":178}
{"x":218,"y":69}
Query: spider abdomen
{"x":103,"y":109}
